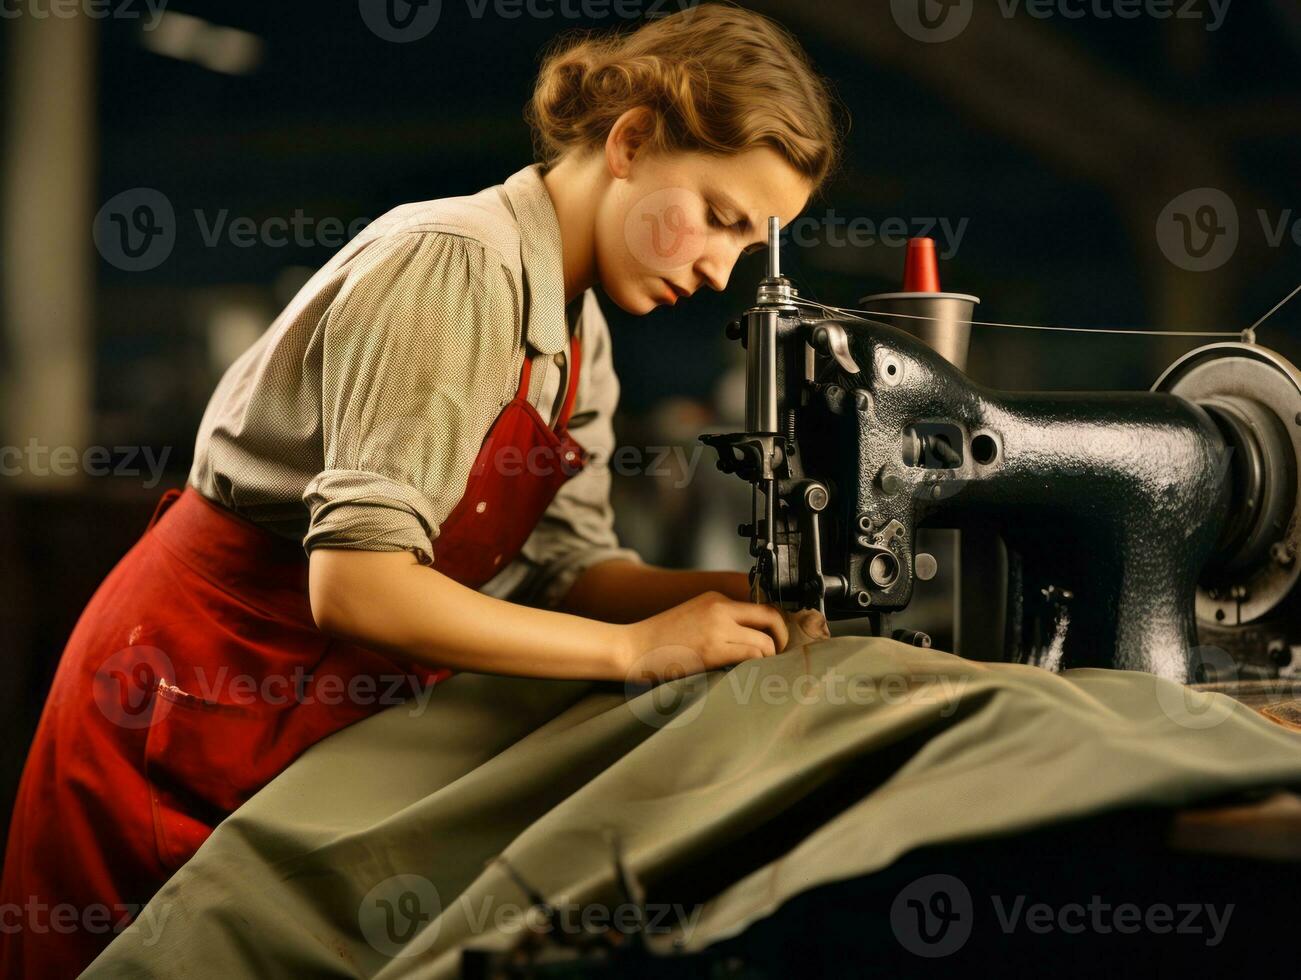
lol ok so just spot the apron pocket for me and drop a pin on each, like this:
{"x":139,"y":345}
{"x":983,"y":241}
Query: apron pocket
{"x":203,"y":760}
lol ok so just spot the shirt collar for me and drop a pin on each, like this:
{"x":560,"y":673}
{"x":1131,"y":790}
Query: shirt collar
{"x":541,"y":257}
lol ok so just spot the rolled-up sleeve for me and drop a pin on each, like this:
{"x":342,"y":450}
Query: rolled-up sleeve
{"x":577,"y":529}
{"x":419,"y":350}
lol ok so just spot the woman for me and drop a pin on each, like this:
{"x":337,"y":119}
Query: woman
{"x":429,"y":415}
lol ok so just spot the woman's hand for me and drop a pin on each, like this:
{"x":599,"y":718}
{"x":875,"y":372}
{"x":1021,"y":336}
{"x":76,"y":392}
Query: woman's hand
{"x":703,"y":633}
{"x":806,"y":626}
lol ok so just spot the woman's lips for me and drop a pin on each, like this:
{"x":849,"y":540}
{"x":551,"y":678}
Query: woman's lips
{"x":672,"y":292}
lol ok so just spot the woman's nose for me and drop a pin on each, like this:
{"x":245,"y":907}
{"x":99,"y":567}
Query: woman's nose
{"x":715,"y":266}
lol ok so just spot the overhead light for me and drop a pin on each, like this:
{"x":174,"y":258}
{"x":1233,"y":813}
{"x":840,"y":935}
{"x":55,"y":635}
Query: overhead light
{"x":188,"y":38}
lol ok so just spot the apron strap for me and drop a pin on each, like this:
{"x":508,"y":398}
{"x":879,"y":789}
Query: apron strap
{"x":571,"y":394}
{"x":525,"y":374}
{"x":575,"y":361}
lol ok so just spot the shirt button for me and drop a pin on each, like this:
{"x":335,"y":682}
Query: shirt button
{"x":559,"y":359}
{"x":481,"y":506}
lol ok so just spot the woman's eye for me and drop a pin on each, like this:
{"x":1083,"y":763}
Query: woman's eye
{"x":715,"y":221}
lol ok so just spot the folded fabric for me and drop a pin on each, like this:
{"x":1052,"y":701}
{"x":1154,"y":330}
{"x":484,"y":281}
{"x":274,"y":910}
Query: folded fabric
{"x":725,"y":794}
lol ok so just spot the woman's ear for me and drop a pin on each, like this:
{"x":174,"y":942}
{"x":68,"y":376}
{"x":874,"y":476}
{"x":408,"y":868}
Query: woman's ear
{"x":629,"y":135}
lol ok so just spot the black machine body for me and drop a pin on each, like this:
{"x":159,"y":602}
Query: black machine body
{"x":1153,"y":530}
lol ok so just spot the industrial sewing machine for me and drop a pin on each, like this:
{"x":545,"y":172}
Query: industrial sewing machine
{"x":1153,"y":531}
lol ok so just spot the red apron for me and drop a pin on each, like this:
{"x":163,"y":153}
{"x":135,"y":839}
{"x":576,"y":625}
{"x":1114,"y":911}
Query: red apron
{"x":196,"y":674}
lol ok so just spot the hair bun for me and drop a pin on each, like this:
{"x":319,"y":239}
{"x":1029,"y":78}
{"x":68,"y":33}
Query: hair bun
{"x":719,"y":79}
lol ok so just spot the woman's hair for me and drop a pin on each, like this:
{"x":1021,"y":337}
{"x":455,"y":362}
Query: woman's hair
{"x":719,"y":79}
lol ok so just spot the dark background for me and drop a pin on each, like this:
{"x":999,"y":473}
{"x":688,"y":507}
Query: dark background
{"x":1057,"y":141}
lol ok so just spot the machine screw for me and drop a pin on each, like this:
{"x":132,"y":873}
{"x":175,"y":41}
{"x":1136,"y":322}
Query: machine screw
{"x":925,"y":566}
{"x":865,"y":523}
{"x":891,"y":484}
{"x":862,"y":598}
{"x":815,"y":498}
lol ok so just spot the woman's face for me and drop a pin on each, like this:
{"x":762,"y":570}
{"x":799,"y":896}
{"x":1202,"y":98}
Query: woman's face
{"x":671,"y":223}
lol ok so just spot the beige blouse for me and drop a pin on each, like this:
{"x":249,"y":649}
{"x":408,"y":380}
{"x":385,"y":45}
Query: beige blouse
{"x":355,"y":419}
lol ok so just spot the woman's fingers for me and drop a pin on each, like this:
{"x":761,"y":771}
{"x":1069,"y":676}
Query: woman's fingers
{"x":747,"y":651}
{"x":766,"y":618}
{"x":755,"y":638}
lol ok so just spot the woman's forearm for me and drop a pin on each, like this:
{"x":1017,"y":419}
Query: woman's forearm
{"x":388,"y":602}
{"x":621,"y":591}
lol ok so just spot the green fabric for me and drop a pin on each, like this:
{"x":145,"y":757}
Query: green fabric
{"x":740,"y":789}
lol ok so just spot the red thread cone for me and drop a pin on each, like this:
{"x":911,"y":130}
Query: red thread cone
{"x":921,"y":273}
